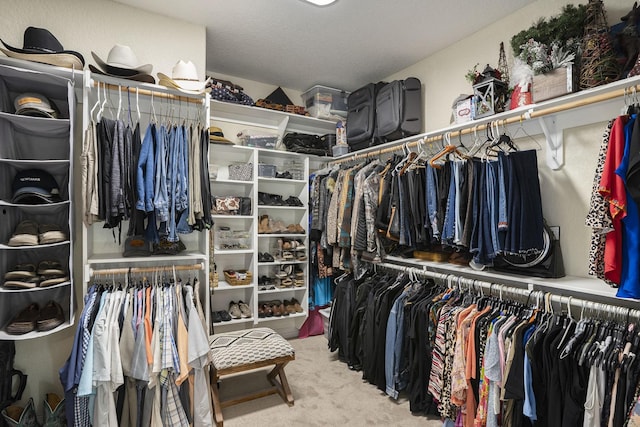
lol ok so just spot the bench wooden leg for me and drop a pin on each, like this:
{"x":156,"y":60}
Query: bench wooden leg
{"x":283,"y":385}
{"x":215,"y":398}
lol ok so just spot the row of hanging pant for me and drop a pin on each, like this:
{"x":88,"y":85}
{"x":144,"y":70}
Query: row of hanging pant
{"x":162,"y":179}
{"x":477,"y":360}
{"x":139,"y":357}
{"x":484,"y":207}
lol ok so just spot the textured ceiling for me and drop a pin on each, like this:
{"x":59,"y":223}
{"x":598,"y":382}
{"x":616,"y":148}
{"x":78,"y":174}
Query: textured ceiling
{"x":295,"y":44}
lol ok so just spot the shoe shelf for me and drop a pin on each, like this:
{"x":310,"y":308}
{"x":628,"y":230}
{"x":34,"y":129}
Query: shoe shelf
{"x":292,"y":171}
{"x":281,"y":290}
{"x":43,"y":143}
{"x":22,"y":205}
{"x":224,"y":286}
{"x":233,"y":181}
{"x":294,"y":261}
{"x":37,"y":289}
{"x":240,"y":321}
{"x":232,"y":251}
{"x":290,"y":235}
{"x":37,"y":334}
{"x":295,"y":208}
{"x":290,"y":316}
{"x":281,"y":180}
{"x":20,"y":248}
{"x":246,"y":217}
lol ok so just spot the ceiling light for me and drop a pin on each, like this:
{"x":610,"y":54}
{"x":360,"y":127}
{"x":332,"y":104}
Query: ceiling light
{"x":320,"y":2}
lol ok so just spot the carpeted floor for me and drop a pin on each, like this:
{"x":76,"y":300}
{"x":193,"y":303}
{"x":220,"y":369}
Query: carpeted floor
{"x":326,"y":393}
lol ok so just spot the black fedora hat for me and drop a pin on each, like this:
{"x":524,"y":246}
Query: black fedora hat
{"x":40,"y":45}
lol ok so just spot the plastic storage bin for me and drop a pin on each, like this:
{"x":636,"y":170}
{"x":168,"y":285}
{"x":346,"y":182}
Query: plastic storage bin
{"x":258,"y":140}
{"x":266,"y":171}
{"x":339,"y":150}
{"x":227,"y":239}
{"x":322,"y":102}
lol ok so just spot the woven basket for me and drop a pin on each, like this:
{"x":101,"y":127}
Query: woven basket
{"x":241,"y":171}
{"x":233,"y":281}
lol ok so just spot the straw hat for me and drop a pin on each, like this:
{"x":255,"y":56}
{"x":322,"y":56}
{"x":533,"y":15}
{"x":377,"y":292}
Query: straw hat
{"x":217,"y":137}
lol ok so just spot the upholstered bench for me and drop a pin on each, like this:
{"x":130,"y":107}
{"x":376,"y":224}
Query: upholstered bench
{"x":239,"y":351}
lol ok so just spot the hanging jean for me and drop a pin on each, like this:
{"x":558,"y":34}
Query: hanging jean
{"x":449,"y":213}
{"x":504,"y":167}
{"x":182,"y":202}
{"x":493,"y":247}
{"x":401,"y":210}
{"x":145,"y":171}
{"x":161,"y":198}
{"x":172,"y":181}
{"x":432,"y":201}
{"x":460,"y":205}
{"x":524,"y":207}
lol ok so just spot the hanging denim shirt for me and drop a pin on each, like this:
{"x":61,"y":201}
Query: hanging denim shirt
{"x":145,"y":171}
{"x":161,"y":197}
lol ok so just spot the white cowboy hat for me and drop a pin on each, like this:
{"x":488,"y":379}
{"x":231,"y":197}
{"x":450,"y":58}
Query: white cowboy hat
{"x":121,"y":61}
{"x":184,"y":77}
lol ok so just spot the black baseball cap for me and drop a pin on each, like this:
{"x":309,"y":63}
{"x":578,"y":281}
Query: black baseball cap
{"x":35,"y":187}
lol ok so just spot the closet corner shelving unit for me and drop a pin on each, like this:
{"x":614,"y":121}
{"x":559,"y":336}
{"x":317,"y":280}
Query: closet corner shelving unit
{"x":101,"y":248}
{"x":233,"y":118}
{"x":37,"y":143}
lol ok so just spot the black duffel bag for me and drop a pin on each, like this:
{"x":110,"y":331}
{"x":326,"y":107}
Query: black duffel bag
{"x":309,"y":144}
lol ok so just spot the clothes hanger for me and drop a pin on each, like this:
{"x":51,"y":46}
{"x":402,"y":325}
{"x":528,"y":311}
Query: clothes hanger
{"x":448,"y":149}
{"x":104,"y":101}
{"x":119,"y":102}
{"x":154,"y":118}
{"x":97,"y":104}
{"x":138,"y":104}
{"x":521,"y":129}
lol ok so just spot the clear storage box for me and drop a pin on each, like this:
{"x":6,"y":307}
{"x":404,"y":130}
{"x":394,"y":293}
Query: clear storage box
{"x":266,"y":171}
{"x":323,"y":102}
{"x":228,"y":239}
{"x":259,"y":140}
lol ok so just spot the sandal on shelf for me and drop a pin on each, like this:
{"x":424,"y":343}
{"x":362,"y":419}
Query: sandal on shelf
{"x":302,"y":256}
{"x":263,"y":225}
{"x":286,"y":283}
{"x":286,"y":255}
{"x":278,"y":227}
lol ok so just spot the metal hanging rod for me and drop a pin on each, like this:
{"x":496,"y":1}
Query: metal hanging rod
{"x":113,"y":271}
{"x":496,"y":289}
{"x":525,"y":115}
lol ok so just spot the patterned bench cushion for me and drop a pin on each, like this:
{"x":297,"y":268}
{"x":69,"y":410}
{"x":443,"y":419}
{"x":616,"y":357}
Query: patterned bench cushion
{"x":239,"y":348}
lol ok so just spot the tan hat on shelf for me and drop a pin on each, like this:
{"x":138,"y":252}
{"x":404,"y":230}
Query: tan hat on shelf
{"x":217,"y":137}
{"x":184,"y":77}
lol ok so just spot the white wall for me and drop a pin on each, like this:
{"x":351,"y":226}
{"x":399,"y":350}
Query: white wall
{"x":96,"y":25}
{"x":85,"y":26}
{"x":565,"y":192}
